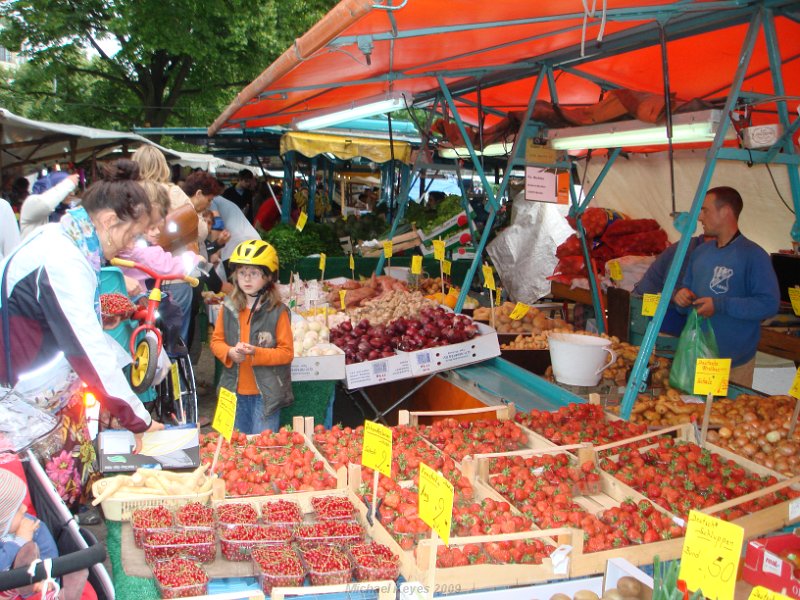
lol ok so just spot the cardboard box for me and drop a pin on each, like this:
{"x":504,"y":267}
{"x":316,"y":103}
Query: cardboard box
{"x":459,"y":220}
{"x":764,"y":566}
{"x":374,"y":372}
{"x":179,"y":449}
{"x":318,"y":368}
{"x":431,"y":360}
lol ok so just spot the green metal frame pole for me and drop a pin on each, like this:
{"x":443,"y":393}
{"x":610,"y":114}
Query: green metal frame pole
{"x":640,"y":370}
{"x":312,"y":189}
{"x":774,"y":54}
{"x":489,"y":194}
{"x":288,"y":186}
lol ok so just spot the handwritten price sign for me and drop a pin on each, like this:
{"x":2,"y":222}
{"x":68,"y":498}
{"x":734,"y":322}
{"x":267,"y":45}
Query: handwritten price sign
{"x":435,"y":501}
{"x":387,"y":249}
{"x":438,"y":249}
{"x":322,"y":260}
{"x":762,"y":593}
{"x":301,"y":221}
{"x":710,"y":556}
{"x":342,"y":294}
{"x":416,"y":265}
{"x":376,"y":452}
{"x":711,"y":376}
{"x":352,"y":262}
{"x":615,"y":270}
{"x":225,"y":415}
{"x":447,"y":266}
{"x":520,"y":310}
{"x":794,"y":297}
{"x":488,"y":277}
{"x":649,"y":304}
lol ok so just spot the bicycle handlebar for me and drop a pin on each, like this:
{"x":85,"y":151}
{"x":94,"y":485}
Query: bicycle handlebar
{"x":69,"y":563}
{"x":121,"y":262}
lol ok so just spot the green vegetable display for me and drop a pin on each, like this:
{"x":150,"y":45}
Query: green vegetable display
{"x":292,"y":245}
{"x":365,"y":227}
{"x":428,"y":220}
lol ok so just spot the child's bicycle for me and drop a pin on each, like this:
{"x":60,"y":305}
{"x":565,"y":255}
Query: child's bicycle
{"x":176,"y":396}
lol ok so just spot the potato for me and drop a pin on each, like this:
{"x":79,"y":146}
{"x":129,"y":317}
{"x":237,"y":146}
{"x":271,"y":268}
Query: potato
{"x":560,"y":597}
{"x":612,"y":594}
{"x":585,"y":595}
{"x":629,"y":586}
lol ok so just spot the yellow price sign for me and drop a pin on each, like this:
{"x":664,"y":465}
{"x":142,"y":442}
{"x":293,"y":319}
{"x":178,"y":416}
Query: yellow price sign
{"x":387,"y":249}
{"x":301,"y":221}
{"x":710,"y":555}
{"x":447,"y":267}
{"x":176,"y":381}
{"x":416,"y":265}
{"x":520,"y":310}
{"x":615,"y":270}
{"x":322,"y":260}
{"x":225,"y":415}
{"x":488,"y":277}
{"x":761,"y":593}
{"x":435,"y":501}
{"x":342,"y":294}
{"x":498,"y":296}
{"x":794,"y":297}
{"x":795,"y":389}
{"x":649,"y":304}
{"x":711,"y":376}
{"x":352,"y":263}
{"x":438,"y":249}
{"x":376,"y":451}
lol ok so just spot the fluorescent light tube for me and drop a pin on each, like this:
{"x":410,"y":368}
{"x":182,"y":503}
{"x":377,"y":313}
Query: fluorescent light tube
{"x":358,"y":110}
{"x":687,"y":128}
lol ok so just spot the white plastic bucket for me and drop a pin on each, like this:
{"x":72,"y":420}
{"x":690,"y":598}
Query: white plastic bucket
{"x":579,"y":359}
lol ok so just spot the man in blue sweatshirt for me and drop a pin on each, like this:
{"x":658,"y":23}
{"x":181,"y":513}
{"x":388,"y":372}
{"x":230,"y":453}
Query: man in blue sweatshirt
{"x":731,"y":281}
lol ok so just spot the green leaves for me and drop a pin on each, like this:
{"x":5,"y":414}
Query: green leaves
{"x":144,"y":62}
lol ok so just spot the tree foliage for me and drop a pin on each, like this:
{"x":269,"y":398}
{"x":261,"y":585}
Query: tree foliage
{"x":177,"y":62}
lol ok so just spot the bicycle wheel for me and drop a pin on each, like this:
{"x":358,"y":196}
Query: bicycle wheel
{"x":176,"y":397}
{"x":143,"y":369}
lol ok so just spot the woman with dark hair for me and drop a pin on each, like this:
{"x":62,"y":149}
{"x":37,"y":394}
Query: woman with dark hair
{"x":52,"y":337}
{"x":201,"y":187}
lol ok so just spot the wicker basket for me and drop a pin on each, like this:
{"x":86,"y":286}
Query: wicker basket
{"x":119,"y":508}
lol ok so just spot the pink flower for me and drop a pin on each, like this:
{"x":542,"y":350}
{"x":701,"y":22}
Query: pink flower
{"x":62,"y":472}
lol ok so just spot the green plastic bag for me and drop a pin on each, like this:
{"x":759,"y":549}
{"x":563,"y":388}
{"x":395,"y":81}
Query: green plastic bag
{"x":697,"y":341}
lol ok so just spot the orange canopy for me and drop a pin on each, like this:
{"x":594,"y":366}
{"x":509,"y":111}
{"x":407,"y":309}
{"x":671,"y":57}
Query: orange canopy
{"x":489,"y":54}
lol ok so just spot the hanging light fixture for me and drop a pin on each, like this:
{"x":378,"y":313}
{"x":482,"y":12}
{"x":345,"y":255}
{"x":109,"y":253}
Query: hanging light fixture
{"x":368,"y":107}
{"x":687,"y":128}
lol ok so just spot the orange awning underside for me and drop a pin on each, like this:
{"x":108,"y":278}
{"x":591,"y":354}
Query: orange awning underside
{"x":489,"y":53}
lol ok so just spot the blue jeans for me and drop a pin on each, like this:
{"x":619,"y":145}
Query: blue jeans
{"x":181,"y":294}
{"x":250,"y":417}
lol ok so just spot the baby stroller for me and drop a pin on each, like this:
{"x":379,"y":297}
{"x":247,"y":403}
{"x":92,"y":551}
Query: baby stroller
{"x":78,"y":548}
{"x":173,"y":400}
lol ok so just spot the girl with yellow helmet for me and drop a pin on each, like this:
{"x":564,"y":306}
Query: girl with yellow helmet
{"x":253,"y":339}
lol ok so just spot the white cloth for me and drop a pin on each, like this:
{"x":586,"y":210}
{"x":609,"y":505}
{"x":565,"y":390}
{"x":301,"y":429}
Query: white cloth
{"x":36,"y":208}
{"x":9,"y":229}
{"x":237,"y":225}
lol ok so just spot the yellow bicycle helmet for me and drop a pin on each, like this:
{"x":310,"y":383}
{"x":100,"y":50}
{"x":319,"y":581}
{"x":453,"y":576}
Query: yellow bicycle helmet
{"x":257,"y":253}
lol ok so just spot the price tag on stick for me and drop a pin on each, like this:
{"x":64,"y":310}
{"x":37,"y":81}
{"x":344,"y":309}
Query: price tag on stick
{"x":387,"y":249}
{"x":376,"y":451}
{"x":224,"y":418}
{"x":520,"y":310}
{"x":225,"y":414}
{"x":352,"y":263}
{"x":488,"y":277}
{"x":342,"y":294}
{"x":762,"y":593}
{"x":322,"y":260}
{"x":301,"y":221}
{"x":416,"y":265}
{"x":435,"y":501}
{"x":447,"y":267}
{"x":438,"y":249}
{"x":649,"y":304}
{"x":711,"y":376}
{"x":710,"y":556}
{"x":794,"y":297}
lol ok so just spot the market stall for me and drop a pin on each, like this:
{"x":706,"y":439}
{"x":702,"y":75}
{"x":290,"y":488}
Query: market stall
{"x":563,"y":471}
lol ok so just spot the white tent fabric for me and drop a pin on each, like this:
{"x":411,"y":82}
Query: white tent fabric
{"x":25,"y":141}
{"x":208,"y":162}
{"x":639,"y":186}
